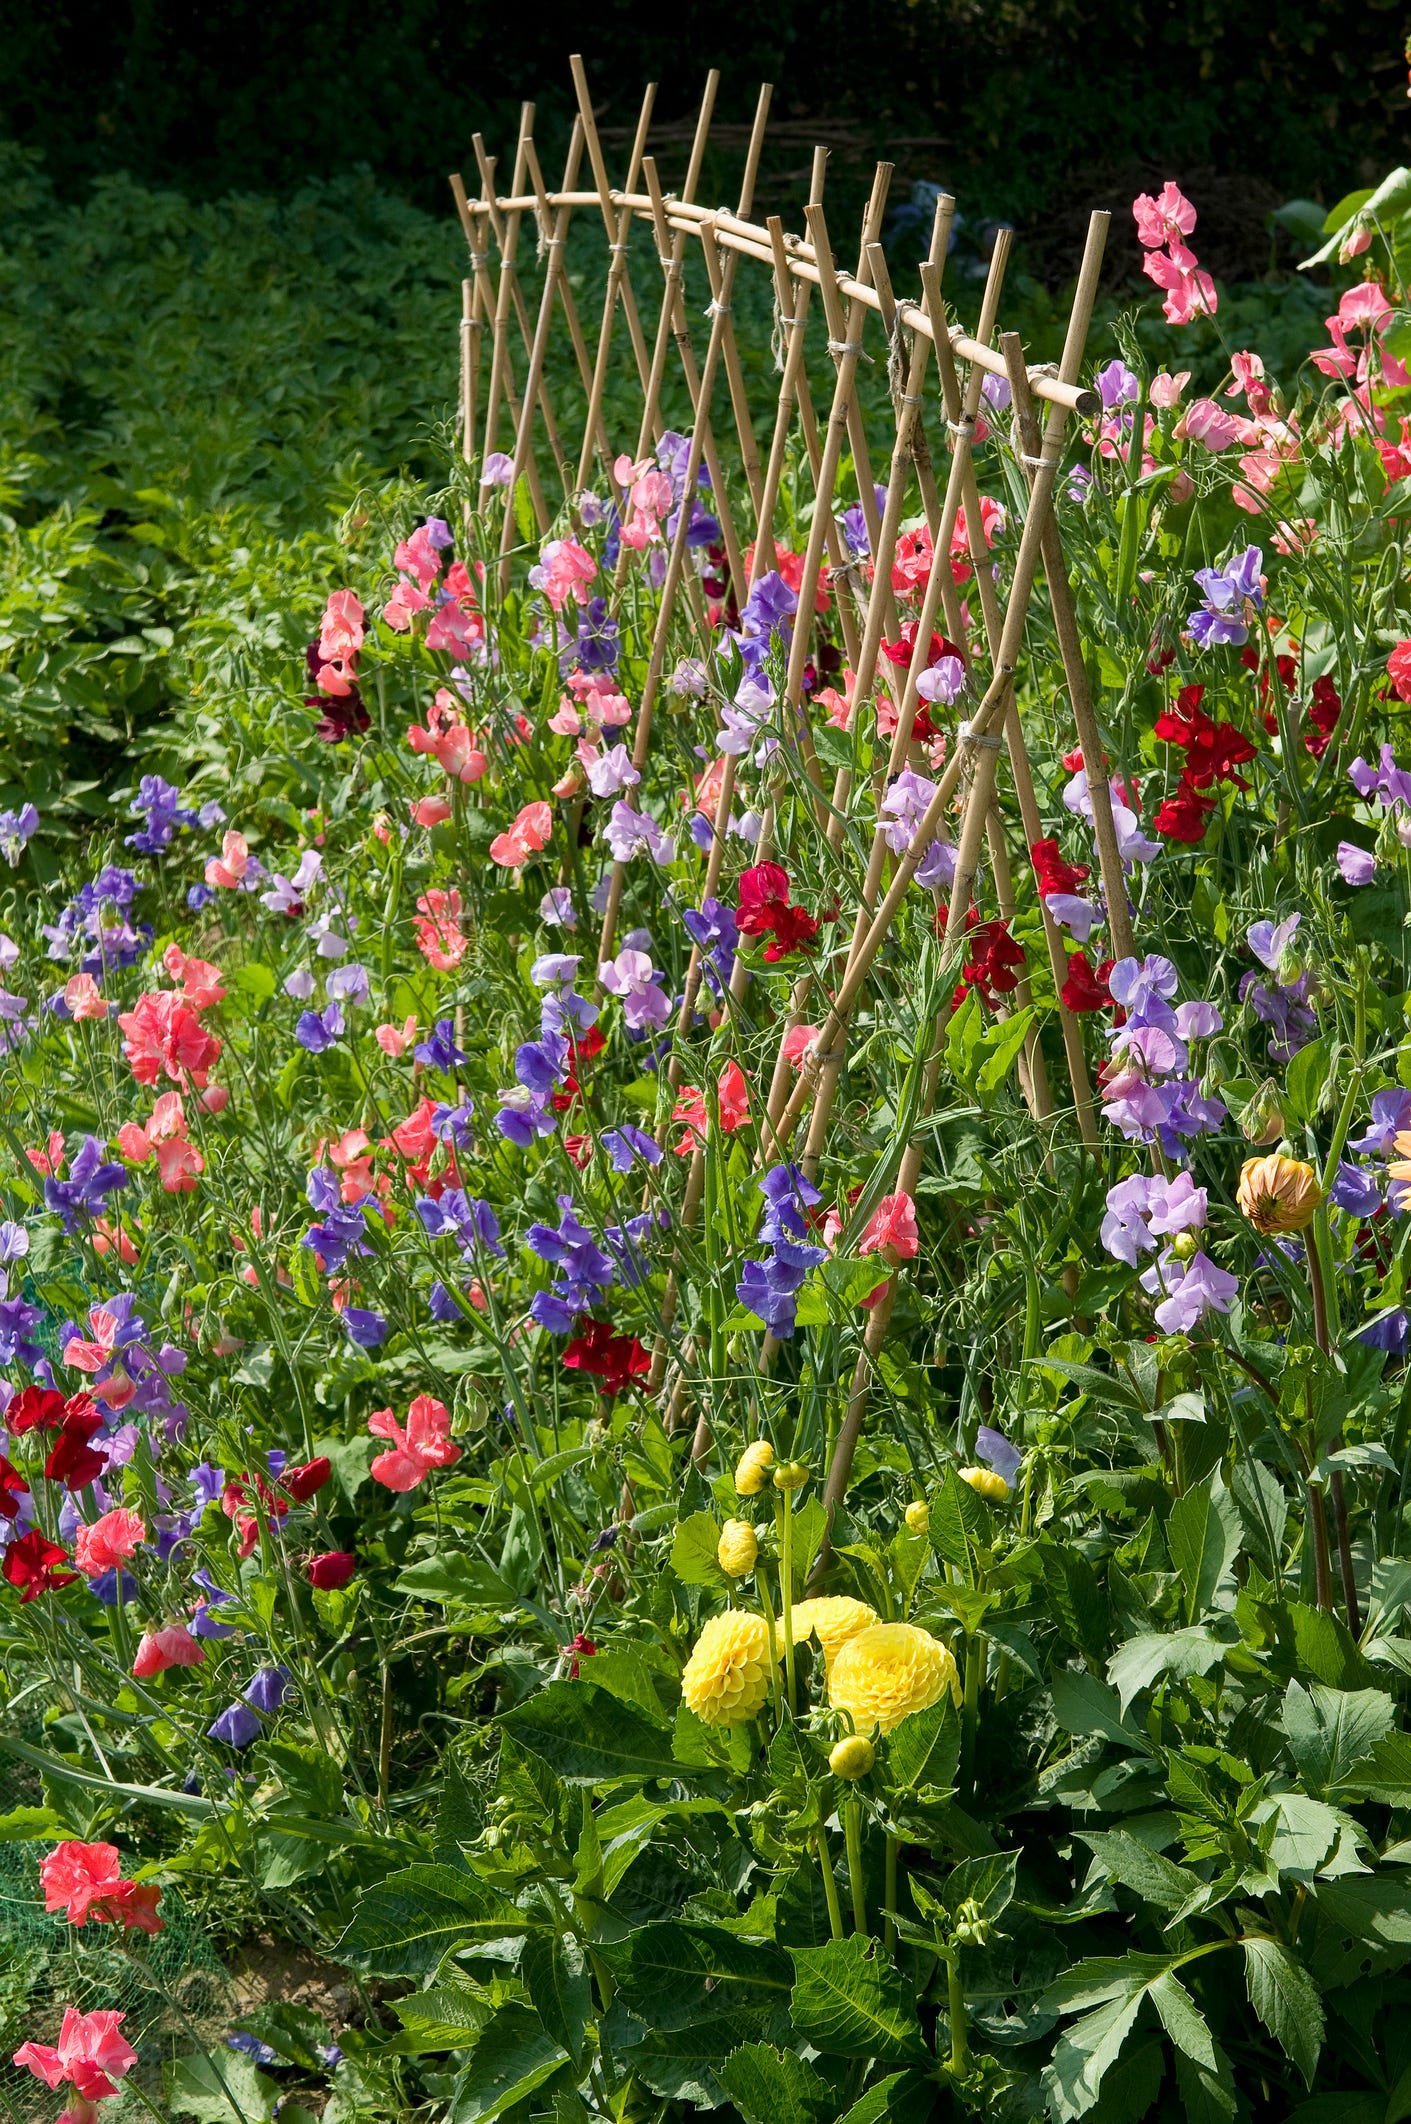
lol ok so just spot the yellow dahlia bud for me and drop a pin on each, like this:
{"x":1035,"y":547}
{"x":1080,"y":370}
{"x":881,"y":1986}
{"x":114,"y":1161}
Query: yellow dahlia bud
{"x":1278,"y":1194}
{"x":792,"y":1475}
{"x":852,"y":1757}
{"x":755,"y":1463}
{"x":726,"y":1679}
{"x":888,"y":1671}
{"x":1185,"y":1246}
{"x":832,"y":1620}
{"x":739,"y":1546}
{"x":918,"y":1516}
{"x":986,"y":1483}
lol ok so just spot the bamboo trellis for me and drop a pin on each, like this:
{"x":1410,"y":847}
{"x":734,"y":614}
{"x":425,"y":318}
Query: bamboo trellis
{"x":921,"y":346}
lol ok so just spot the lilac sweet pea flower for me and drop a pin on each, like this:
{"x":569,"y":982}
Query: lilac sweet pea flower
{"x":1390,"y":784}
{"x":237,"y":1726}
{"x":1221,"y":620}
{"x":1356,"y":1190}
{"x":942,"y":681}
{"x":1192,"y":1289}
{"x":612,"y":772}
{"x":626,"y":1143}
{"x":1391,"y":1114}
{"x":629,"y":830}
{"x":997,"y":1452}
{"x":1358,"y":866}
{"x":1071,"y":911}
{"x":905,"y":805}
{"x":631,"y":976}
{"x":1117,"y":386}
{"x":17,"y":829}
{"x":556,"y":908}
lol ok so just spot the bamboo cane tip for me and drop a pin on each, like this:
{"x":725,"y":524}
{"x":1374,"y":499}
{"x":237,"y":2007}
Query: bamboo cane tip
{"x":1088,"y":404}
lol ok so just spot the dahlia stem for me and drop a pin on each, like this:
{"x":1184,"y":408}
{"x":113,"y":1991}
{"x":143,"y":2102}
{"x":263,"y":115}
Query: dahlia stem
{"x":786,"y":1588}
{"x":889,"y":1926}
{"x":852,"y":1831}
{"x":825,"y":1867}
{"x":1315,"y":1242}
{"x":976,"y":1657}
{"x":768,"y":1606}
{"x":955,"y":2007}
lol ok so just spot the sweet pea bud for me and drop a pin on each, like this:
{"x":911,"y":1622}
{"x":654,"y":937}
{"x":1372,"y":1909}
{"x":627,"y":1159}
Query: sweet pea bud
{"x":852,"y":1757}
{"x":918,"y":1516}
{"x":792,"y":1475}
{"x":1185,"y":1246}
{"x":1261,"y":1119}
{"x":986,"y":1483}
{"x":738,"y":1548}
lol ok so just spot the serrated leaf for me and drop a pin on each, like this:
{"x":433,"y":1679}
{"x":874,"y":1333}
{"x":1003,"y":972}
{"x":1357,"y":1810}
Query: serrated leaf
{"x":1139,"y":1662}
{"x":1084,"y":1705}
{"x":589,"y":1737}
{"x":1136,"y":1866}
{"x":771,"y":2086}
{"x":555,"y":1974}
{"x":1286,"y":2000}
{"x":1203,"y":1534}
{"x":673,"y":1975}
{"x":405,"y":1924}
{"x":513,"y":2055}
{"x":924,"y":1750}
{"x":1183,"y":2020}
{"x":1085,"y":2053}
{"x":693,"y":1551}
{"x":850,"y":2002}
{"x":1331,"y":1730}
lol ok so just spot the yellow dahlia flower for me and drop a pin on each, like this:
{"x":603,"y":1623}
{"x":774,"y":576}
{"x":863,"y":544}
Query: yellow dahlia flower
{"x":832,"y":1620}
{"x":1278,"y":1194}
{"x":986,"y":1483}
{"x":918,"y":1516}
{"x":726,"y":1679}
{"x":739,"y":1546}
{"x":753,"y":1470}
{"x":852,"y":1757}
{"x":888,"y":1671}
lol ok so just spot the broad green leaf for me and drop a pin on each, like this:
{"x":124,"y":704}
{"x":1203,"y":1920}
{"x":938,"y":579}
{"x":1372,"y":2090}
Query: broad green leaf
{"x":1139,"y":1662}
{"x":1383,"y":1775}
{"x":1011,"y":1035}
{"x":851,"y":2002}
{"x":1307,"y":1080}
{"x":1330,"y":1730}
{"x":924,"y":1750}
{"x":406,"y":1923}
{"x":1183,"y":2020}
{"x":1364,"y":1926}
{"x":1084,"y":1705}
{"x":452,"y":1579}
{"x":1203,"y":1536}
{"x":1286,"y":2000}
{"x":674,"y":1974}
{"x":1206,"y":2096}
{"x":1325,"y":1646}
{"x":1306,"y":1832}
{"x":693,"y":1551}
{"x":900,"y":2098}
{"x":513,"y":2055}
{"x":1263,"y":1507}
{"x":1085,"y":2053}
{"x":218,"y":2087}
{"x":1136,"y":1866}
{"x":555,"y":1975}
{"x":1076,"y":1598}
{"x":770,"y":2086}
{"x":589,"y":1737}
{"x":445,"y":2018}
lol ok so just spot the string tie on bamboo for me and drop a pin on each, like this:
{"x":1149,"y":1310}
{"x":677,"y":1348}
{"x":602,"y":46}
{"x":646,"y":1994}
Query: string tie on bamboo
{"x":716,"y":308}
{"x":990,"y":739}
{"x":479,"y":260}
{"x":1039,"y":463}
{"x":896,"y":375}
{"x":839,"y":347}
{"x":964,"y":426}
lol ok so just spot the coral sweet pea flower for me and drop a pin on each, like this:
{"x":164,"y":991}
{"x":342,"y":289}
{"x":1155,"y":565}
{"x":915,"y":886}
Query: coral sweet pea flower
{"x":90,"y":2055}
{"x":426,"y":1443}
{"x":528,"y":833}
{"x":82,"y":999}
{"x":173,"y":1646}
{"x":109,"y":1541}
{"x":891,"y":1230}
{"x":229,"y":867}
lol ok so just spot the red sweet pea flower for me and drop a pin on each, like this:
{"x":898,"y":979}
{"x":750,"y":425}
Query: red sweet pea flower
{"x":1184,"y":816}
{"x":764,"y":911}
{"x":31,"y":1565}
{"x":1084,"y":989}
{"x":579,"y":1647}
{"x":1052,"y":873}
{"x":303,"y":1482}
{"x":616,"y":1360}
{"x":34,"y":1408}
{"x":73,"y":1460}
{"x":12,"y":1488}
{"x":1323,"y":712}
{"x":90,"y":2055}
{"x":989,"y":969}
{"x":85,"y":1880}
{"x":331,"y":1570}
{"x":1213,"y":750}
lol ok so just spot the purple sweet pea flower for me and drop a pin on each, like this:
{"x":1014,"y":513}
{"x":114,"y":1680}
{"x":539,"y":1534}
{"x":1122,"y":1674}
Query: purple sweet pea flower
{"x":1356,"y":1190}
{"x":439,"y":1050}
{"x":317,"y":1030}
{"x":1390,"y":784}
{"x":237,"y":1726}
{"x":364,"y":1328}
{"x":1192,"y":1289}
{"x":1358,"y":866}
{"x":17,"y":829}
{"x":626,"y":1143}
{"x":612,"y":772}
{"x":1116,"y":385}
{"x":556,"y":908}
{"x":1391,"y":1114}
{"x":997,"y":1452}
{"x":628,"y":831}
{"x":632,"y":976}
{"x":267,"y":1688}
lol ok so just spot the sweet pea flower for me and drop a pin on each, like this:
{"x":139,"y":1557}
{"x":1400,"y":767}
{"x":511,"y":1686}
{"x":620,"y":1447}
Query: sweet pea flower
{"x":612,"y":772}
{"x":1192,"y":1289}
{"x":526,"y":836}
{"x":630,"y":976}
{"x":108,"y":1541}
{"x":891,"y":1230}
{"x":90,"y":2055}
{"x":1357,"y":866}
{"x":426,"y":1443}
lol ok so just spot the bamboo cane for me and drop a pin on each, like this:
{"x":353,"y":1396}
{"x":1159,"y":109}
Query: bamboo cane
{"x":594,"y":433}
{"x":471,"y":215}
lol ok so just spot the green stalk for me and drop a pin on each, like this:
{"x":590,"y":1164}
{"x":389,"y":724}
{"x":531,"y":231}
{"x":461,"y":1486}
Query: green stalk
{"x":955,"y":2007}
{"x":852,"y":1830}
{"x":768,"y":1606}
{"x":786,"y":1588}
{"x":976,"y":1655}
{"x":825,"y":1867}
{"x":889,"y":1926}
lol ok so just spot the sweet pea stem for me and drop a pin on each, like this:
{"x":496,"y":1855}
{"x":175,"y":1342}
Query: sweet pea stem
{"x":786,"y":1588}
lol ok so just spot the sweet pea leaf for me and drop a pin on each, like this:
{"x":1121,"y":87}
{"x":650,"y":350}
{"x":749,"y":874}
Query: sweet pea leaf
{"x":852,"y":2003}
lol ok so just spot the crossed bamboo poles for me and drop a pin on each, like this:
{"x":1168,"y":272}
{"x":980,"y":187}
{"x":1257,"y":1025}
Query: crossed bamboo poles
{"x":917,"y":333}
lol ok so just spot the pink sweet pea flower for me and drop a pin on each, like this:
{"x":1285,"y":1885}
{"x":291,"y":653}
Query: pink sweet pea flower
{"x":891,"y":1230}
{"x":565,"y":720}
{"x":341,"y":628}
{"x":528,"y":833}
{"x":75,"y":1876}
{"x":179,"y":1163}
{"x":1165,"y":219}
{"x":796,"y":1041}
{"x":439,"y":936}
{"x":1190,"y":291}
{"x":564,"y":569}
{"x":426,"y":1443}
{"x":1205,"y":422}
{"x":82,"y":998}
{"x":430,"y":811}
{"x":173,"y":1646}
{"x":395,"y":1040}
{"x":419,"y":557}
{"x":401,"y":608}
{"x":229,"y":867}
{"x":1165,"y":390}
{"x":90,"y":2055}
{"x":458,"y":632}
{"x":109,"y":1541}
